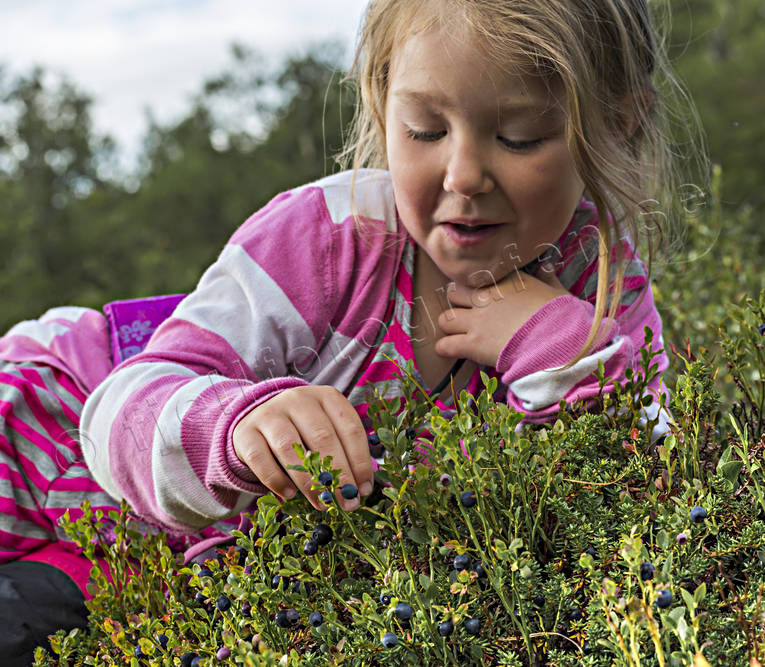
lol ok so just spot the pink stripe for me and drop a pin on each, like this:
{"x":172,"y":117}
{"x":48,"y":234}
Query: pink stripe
{"x":33,"y":376}
{"x":13,"y":476}
{"x":66,"y":382}
{"x":77,"y":484}
{"x":11,"y":508}
{"x":39,"y":440}
{"x":56,"y":432}
{"x":21,"y":545}
{"x":27,"y":465}
{"x":578,"y":286}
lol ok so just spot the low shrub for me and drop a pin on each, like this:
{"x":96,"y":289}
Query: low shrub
{"x":484,"y":543}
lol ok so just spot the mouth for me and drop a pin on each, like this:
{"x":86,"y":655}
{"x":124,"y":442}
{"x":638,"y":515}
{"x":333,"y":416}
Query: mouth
{"x":470,"y":232}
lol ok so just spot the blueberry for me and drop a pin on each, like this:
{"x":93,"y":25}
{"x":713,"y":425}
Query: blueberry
{"x":349,"y":491}
{"x":761,"y":329}
{"x":138,"y":653}
{"x":162,"y":641}
{"x":315,"y":619}
{"x":310,"y":548}
{"x":373,"y":439}
{"x":326,"y":497}
{"x":591,"y":550}
{"x":385,"y":599}
{"x":681,"y":539}
{"x":325,"y":478}
{"x":479,"y":569}
{"x":663,"y":599}
{"x":281,"y":619}
{"x":461,"y":562}
{"x":322,"y":534}
{"x":246,"y":609}
{"x":248,"y":569}
{"x":223,"y":603}
{"x":698,"y":514}
{"x":186,"y":659}
{"x":242,"y":555}
{"x":276,"y":581}
{"x":200,"y":597}
{"x":539,"y":600}
{"x":472,"y":626}
{"x":446,"y":628}
{"x":646,"y":570}
{"x":468,"y":499}
{"x":411,"y":433}
{"x":293,"y":616}
{"x":575,"y":615}
{"x":304,"y":585}
{"x":389,"y":640}
{"x":205,"y":572}
{"x":196,"y":661}
{"x":223,"y":653}
{"x":403,"y":611}
{"x":445,"y":479}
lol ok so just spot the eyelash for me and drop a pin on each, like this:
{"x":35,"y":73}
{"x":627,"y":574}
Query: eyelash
{"x":435,"y":136}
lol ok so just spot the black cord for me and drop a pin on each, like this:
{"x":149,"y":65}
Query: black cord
{"x":452,"y":372}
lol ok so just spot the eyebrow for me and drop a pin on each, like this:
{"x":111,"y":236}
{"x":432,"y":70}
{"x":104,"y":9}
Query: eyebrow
{"x":508,"y":106}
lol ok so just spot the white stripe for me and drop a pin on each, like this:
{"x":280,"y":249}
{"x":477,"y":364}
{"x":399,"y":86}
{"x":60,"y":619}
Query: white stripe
{"x":179,"y":492}
{"x":237,"y":300}
{"x":546,"y":387}
{"x":105,"y":402}
{"x":372,"y":194}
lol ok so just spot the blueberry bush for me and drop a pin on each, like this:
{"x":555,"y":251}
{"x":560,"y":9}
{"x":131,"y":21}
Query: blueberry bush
{"x":485,"y":542}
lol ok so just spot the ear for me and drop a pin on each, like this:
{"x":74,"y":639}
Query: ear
{"x":633,"y":107}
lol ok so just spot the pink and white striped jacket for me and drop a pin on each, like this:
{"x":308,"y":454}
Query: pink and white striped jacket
{"x":297,"y":297}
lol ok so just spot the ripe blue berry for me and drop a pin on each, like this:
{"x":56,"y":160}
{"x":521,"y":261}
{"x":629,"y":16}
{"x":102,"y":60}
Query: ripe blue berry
{"x":761,"y":329}
{"x":315,"y":619}
{"x":411,"y":433}
{"x":473,"y":626}
{"x":385,"y":599}
{"x":698,"y":514}
{"x":445,"y":479}
{"x":575,"y":615}
{"x":310,"y":548}
{"x":446,"y":628}
{"x":223,"y":653}
{"x":325,"y":478}
{"x":293,"y":616}
{"x":373,"y":439}
{"x":322,"y":534}
{"x":276,"y":580}
{"x":479,"y":569}
{"x":403,"y":611}
{"x":461,"y":562}
{"x":468,"y":499}
{"x":298,"y":585}
{"x":196,"y":661}
{"x":348,"y":491}
{"x":539,"y":600}
{"x":681,"y":539}
{"x":186,"y":659}
{"x":138,"y":653}
{"x":246,"y":609}
{"x":162,"y":641}
{"x":389,"y":640}
{"x":646,"y":570}
{"x":205,"y":572}
{"x":280,"y":619}
{"x":663,"y":599}
{"x":223,"y":603}
{"x":200,"y":597}
{"x":326,"y":497}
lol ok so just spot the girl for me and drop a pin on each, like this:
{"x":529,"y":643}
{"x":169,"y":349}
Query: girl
{"x":500,"y":155}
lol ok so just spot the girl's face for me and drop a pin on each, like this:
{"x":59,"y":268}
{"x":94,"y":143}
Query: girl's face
{"x":469,"y":144}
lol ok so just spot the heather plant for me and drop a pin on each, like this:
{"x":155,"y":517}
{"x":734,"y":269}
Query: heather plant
{"x":486,"y":542}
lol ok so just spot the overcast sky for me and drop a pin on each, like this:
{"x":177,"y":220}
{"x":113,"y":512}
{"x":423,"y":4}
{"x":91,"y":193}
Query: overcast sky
{"x":133,"y":54}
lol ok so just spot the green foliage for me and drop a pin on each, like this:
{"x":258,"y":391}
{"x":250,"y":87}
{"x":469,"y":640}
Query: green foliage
{"x":584,"y":546}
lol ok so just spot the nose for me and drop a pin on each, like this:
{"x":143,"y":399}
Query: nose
{"x":467,"y":171}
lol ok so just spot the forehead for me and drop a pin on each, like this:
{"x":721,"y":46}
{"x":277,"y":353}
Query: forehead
{"x":450,"y":68}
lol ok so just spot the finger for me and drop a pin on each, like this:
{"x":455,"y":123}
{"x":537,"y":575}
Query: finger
{"x":319,"y":435}
{"x":253,"y":450}
{"x":353,"y":438}
{"x":454,"y":346}
{"x":459,"y":296}
{"x":281,"y":434}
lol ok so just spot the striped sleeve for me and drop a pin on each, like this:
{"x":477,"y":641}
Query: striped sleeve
{"x":158,"y":429}
{"x":553,"y":335}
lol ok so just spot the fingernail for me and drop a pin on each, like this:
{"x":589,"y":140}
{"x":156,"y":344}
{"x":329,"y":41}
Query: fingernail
{"x":289,"y":494}
{"x":366,"y":488}
{"x":351,"y":505}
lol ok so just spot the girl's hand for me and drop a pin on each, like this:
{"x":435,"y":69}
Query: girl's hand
{"x":484,"y":319}
{"x":324,"y":421}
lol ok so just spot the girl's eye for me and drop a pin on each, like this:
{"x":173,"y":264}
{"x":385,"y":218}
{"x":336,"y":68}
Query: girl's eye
{"x":424,"y":136}
{"x":520,"y":145}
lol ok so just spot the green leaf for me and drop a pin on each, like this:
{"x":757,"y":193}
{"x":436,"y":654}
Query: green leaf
{"x":700,"y":594}
{"x":662,"y":539}
{"x":418,"y":536}
{"x":425,"y":582}
{"x":731,"y":470}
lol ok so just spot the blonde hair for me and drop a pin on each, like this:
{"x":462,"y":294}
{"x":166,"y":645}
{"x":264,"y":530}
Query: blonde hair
{"x":606,"y":56}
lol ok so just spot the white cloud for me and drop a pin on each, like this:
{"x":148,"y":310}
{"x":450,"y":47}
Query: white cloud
{"x":134,"y":54}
